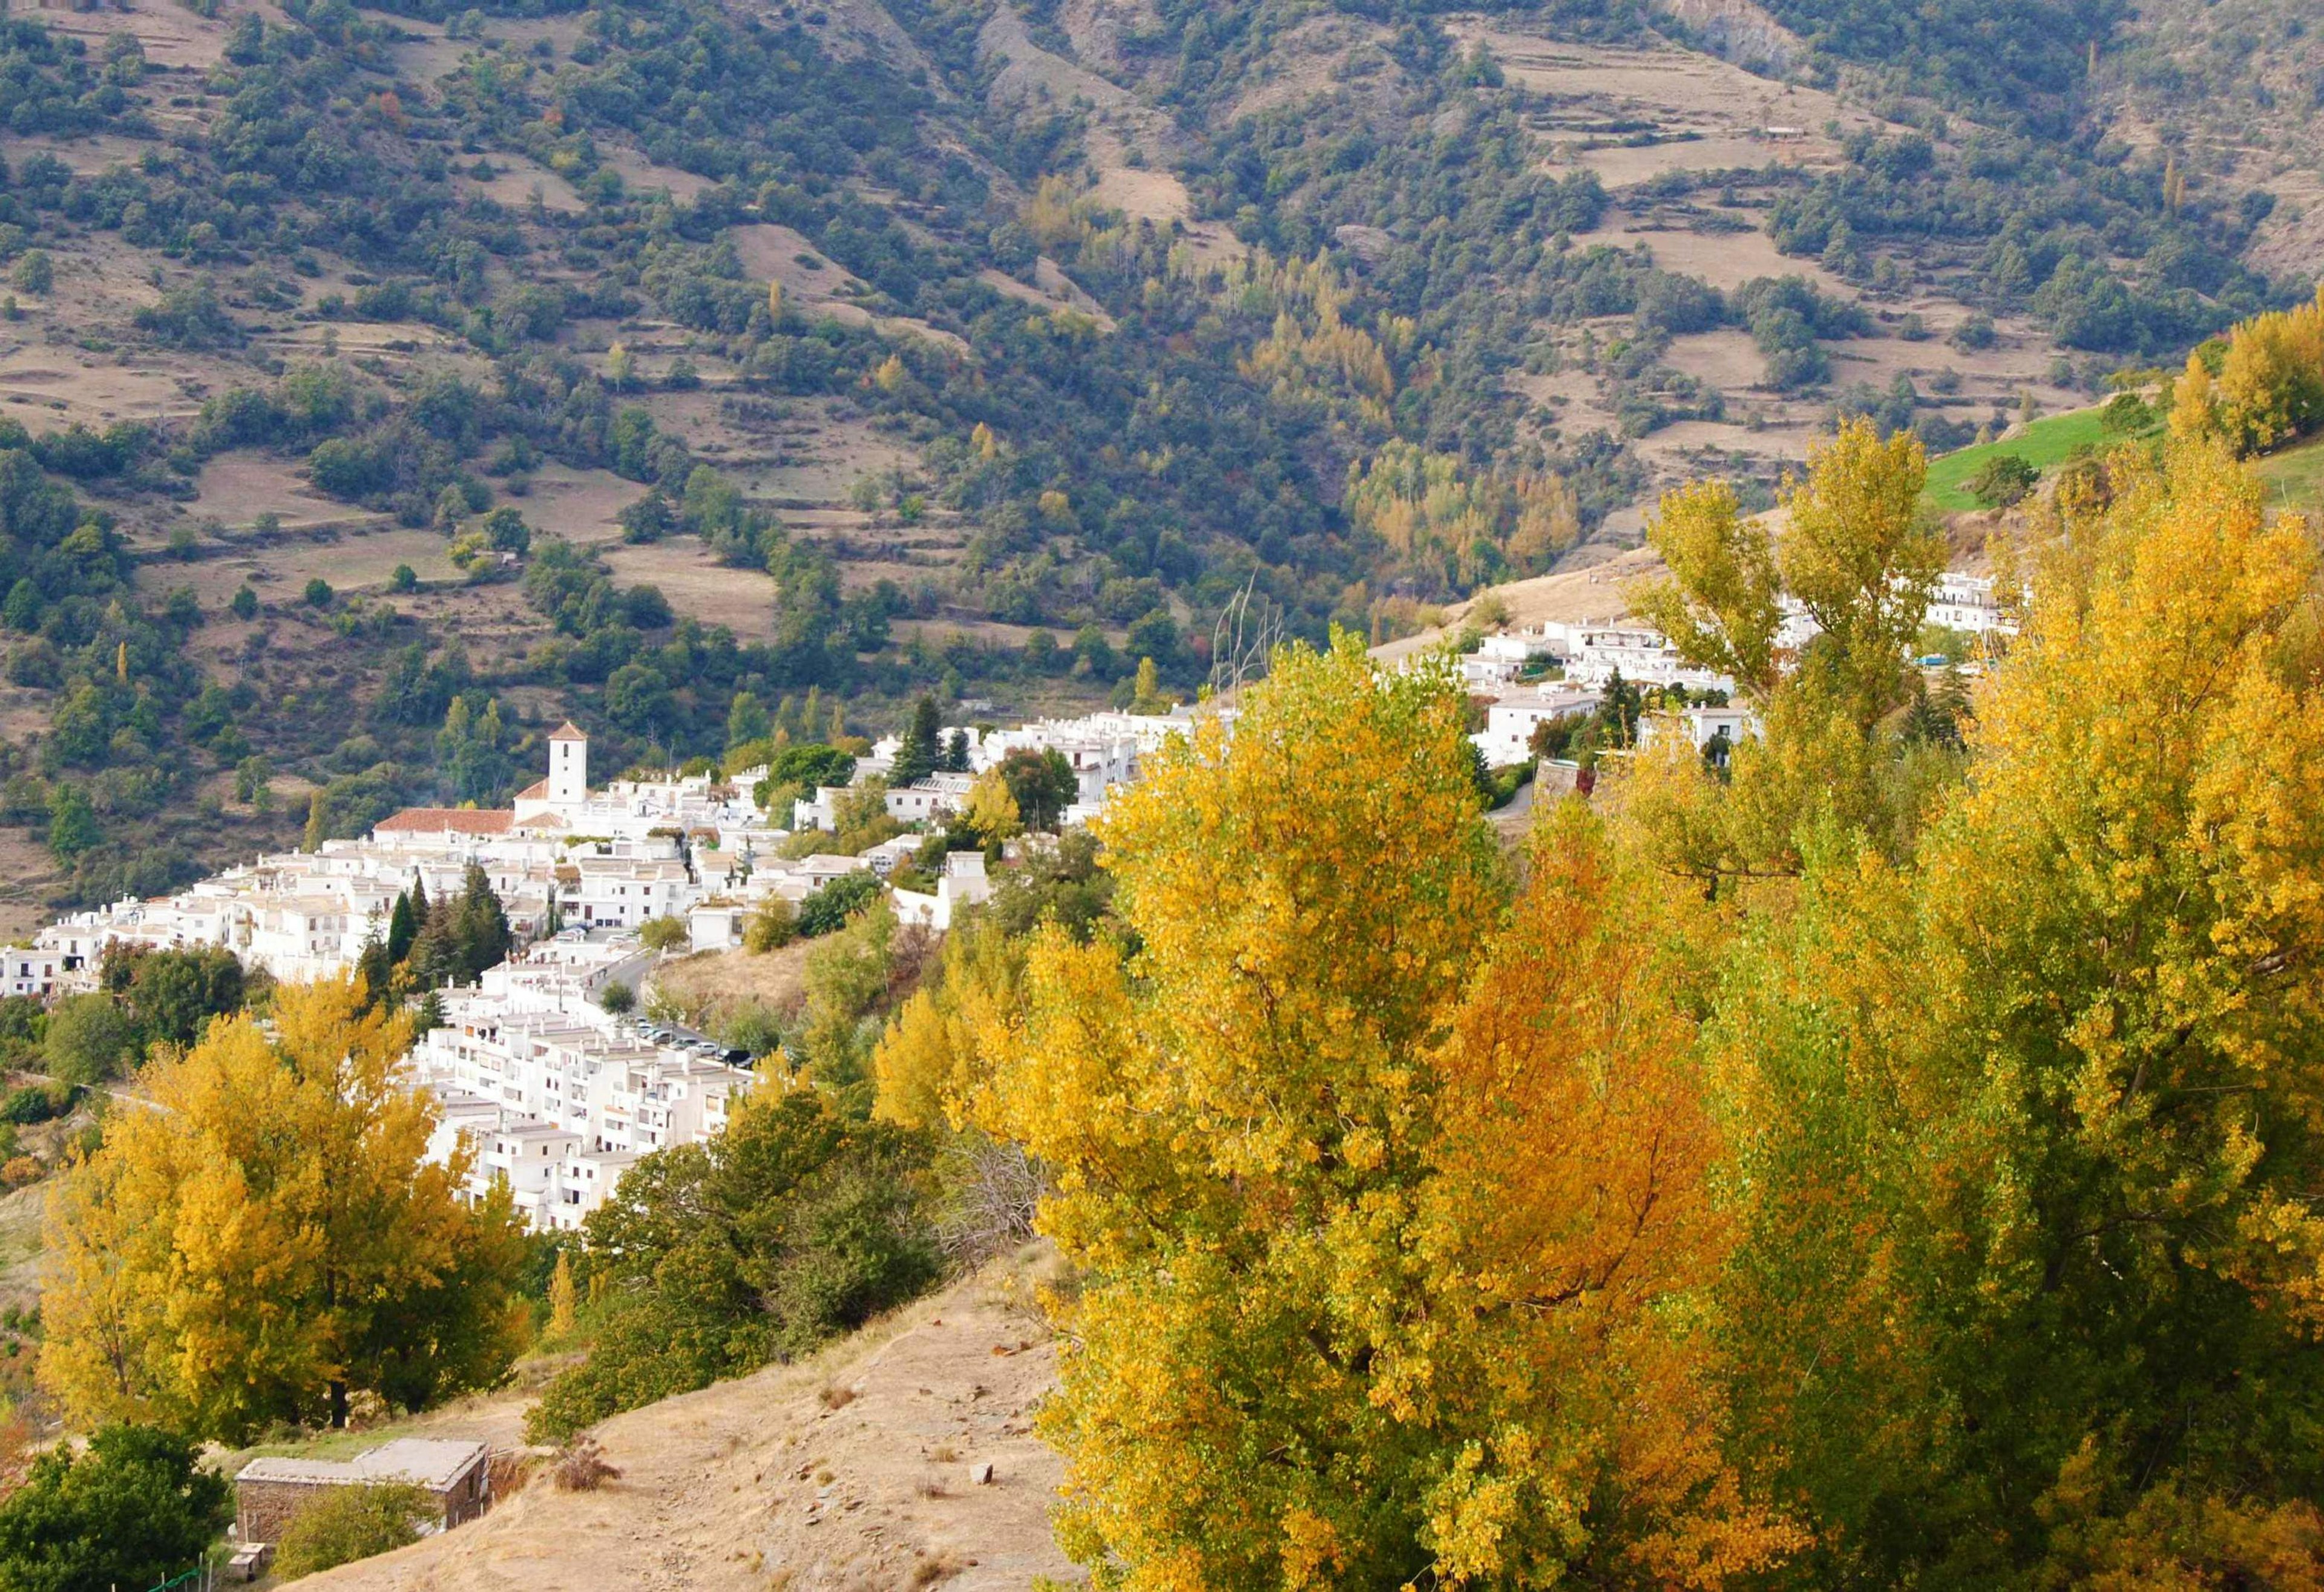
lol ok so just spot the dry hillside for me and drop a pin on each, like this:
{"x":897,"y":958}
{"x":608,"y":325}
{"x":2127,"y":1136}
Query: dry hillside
{"x":851,"y":1470}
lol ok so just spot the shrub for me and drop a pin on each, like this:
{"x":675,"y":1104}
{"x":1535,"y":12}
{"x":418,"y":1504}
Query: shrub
{"x":349,"y":1524}
{"x":580,"y":1466}
{"x":774,"y":926}
{"x":830,"y":907}
{"x":796,"y":1224}
{"x":2004,"y":480}
{"x":664,"y":933}
{"x":318,"y":593}
{"x":618,"y":998}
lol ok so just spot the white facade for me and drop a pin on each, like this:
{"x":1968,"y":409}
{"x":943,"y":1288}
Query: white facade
{"x":963,"y":884}
{"x":1702,"y":726}
{"x":557,"y":1098}
{"x":1507,"y":736}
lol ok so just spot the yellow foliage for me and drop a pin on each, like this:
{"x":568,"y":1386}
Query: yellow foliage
{"x":269,"y":1236}
{"x":2270,"y":388}
{"x":992,"y":807}
{"x":1861,"y":557}
{"x":1719,"y":606}
{"x":561,"y":1296}
{"x":1330,"y":1164}
{"x":928,"y":1063}
{"x":1427,"y":506}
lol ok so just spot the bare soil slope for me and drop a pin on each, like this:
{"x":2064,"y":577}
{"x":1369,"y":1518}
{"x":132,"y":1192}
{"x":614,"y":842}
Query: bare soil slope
{"x":762,"y":1483}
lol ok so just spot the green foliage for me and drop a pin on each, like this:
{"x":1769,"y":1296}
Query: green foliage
{"x":343,"y":1524}
{"x":2002,"y":481}
{"x":1043,"y":784}
{"x":133,"y":1511}
{"x":90,"y":1039}
{"x":795,"y":1224}
{"x":829,"y":909}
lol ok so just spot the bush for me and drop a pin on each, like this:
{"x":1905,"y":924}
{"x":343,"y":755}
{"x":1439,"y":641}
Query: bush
{"x":2004,"y":480}
{"x":318,"y":593}
{"x":580,"y":1466}
{"x":38,"y":1103}
{"x":796,"y":1224}
{"x":132,"y":1511}
{"x":349,"y":1524}
{"x":774,"y":926}
{"x":830,"y":907}
{"x":618,"y":998}
{"x":664,"y":933}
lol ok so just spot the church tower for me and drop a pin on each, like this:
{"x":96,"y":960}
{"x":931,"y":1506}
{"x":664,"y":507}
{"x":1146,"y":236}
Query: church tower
{"x":568,"y":767}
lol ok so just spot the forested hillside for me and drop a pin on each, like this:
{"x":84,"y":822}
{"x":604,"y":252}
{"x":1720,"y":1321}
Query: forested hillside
{"x":383,"y":386}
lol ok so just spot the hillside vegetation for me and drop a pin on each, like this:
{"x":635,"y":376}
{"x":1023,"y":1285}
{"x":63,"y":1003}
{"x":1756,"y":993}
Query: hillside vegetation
{"x":454,"y":371}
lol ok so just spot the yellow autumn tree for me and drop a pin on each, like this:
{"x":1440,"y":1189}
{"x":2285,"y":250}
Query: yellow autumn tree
{"x":268,"y":1240}
{"x":561,"y":1297}
{"x":2027,"y":1273}
{"x":2270,"y":386}
{"x":1860,"y":556}
{"x":1298,"y":1358}
{"x":1429,"y":508}
{"x":1719,"y":605}
{"x":991,"y":809}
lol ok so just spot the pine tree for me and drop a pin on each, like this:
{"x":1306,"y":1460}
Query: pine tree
{"x":402,"y":926}
{"x":916,"y":759}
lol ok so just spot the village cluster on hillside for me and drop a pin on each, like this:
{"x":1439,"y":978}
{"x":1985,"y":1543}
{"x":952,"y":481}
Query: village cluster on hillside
{"x":559,"y":1095}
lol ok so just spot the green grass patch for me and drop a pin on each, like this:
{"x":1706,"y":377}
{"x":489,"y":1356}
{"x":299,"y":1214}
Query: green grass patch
{"x":2045,"y":445}
{"x":2294,"y":478}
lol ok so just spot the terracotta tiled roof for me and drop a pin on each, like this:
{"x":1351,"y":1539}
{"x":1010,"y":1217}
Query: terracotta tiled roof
{"x":567,"y":731}
{"x":537,"y":791}
{"x":444,"y":820}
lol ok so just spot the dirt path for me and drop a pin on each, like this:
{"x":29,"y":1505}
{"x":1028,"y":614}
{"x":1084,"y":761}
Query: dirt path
{"x":762,"y":1483}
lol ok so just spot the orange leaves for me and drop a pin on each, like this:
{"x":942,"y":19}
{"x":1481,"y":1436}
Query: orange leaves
{"x":1391,"y":1211}
{"x":1568,"y":1222}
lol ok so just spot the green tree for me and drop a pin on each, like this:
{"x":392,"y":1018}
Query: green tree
{"x":403,"y":926}
{"x":89,"y":1040}
{"x":796,"y":1224}
{"x":72,"y":822}
{"x":1043,"y":784}
{"x":174,"y":994}
{"x":747,"y":720}
{"x":347,"y":1523}
{"x":133,"y":1511}
{"x":2003,"y":480}
{"x":918,"y":756}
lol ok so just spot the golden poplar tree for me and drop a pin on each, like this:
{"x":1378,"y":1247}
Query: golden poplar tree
{"x":2025,"y":1291}
{"x":268,"y":1238}
{"x":1300,"y":1357}
{"x":561,"y":1297}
